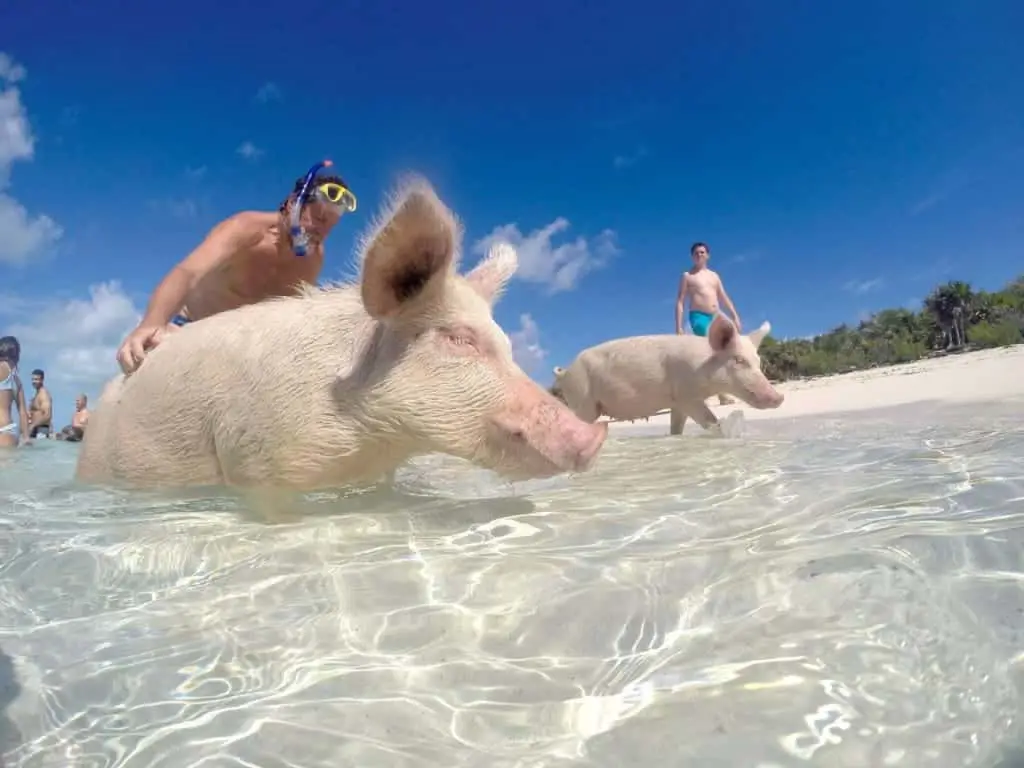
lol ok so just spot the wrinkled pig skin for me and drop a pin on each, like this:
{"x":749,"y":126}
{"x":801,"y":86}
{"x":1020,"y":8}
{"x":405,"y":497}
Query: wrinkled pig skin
{"x":342,"y":384}
{"x":639,"y":376}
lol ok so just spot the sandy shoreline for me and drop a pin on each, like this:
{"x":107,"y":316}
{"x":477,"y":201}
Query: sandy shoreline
{"x":992,"y":374}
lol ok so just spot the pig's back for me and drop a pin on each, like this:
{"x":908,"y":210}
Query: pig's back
{"x":628,"y":377}
{"x":218,"y":394}
{"x":626,"y":357}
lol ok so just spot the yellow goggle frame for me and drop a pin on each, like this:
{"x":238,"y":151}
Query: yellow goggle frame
{"x":337,"y":194}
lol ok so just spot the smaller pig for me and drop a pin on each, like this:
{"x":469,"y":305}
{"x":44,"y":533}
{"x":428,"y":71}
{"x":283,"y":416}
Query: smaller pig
{"x":639,"y":376}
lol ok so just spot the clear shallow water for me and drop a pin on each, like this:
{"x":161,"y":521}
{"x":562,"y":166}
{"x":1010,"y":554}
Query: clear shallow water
{"x":834,"y":592}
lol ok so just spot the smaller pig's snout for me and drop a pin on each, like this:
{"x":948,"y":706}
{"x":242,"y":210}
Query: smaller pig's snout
{"x":773,"y":399}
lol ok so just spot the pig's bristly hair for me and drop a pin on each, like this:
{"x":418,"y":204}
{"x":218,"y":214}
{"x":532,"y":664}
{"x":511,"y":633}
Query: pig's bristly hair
{"x":408,"y":185}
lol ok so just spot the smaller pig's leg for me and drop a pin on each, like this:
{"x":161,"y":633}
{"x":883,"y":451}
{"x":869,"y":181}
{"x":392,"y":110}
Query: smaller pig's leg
{"x":676,"y":422}
{"x":703,"y":415}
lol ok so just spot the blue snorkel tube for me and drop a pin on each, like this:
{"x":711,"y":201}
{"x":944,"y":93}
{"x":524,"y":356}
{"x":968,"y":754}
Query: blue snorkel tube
{"x":300,"y":240}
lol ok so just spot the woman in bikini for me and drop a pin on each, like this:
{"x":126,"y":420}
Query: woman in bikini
{"x":11,"y":393}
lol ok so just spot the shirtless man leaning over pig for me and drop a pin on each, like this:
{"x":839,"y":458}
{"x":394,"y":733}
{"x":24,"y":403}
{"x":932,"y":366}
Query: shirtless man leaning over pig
{"x":245,"y":259}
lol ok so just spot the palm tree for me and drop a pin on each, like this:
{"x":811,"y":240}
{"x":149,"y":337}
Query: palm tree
{"x":949,"y":304}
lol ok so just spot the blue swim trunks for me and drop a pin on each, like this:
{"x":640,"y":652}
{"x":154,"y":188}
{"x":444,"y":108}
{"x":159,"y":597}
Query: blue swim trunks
{"x":180,"y":320}
{"x":700,"y":322}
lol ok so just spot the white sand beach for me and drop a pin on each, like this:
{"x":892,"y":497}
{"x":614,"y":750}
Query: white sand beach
{"x":992,"y":374}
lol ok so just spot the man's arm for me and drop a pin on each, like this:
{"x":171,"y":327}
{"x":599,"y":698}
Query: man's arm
{"x":723,"y":298}
{"x":680,"y":302}
{"x":223,"y":240}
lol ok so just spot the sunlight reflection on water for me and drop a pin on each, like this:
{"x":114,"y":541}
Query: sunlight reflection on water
{"x":840,"y":592}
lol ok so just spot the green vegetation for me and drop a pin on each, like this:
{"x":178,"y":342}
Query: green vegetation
{"x":953,"y":318}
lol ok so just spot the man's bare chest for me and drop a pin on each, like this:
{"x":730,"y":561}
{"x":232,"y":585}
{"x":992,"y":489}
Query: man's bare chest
{"x":702,"y":284}
{"x":264,"y":272}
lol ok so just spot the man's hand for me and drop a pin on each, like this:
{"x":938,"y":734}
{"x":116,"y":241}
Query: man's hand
{"x":141,"y":340}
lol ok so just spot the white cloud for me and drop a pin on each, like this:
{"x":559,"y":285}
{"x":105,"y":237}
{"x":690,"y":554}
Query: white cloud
{"x":22,"y":236}
{"x":10,"y":70}
{"x":526,"y":346}
{"x":745,"y":257}
{"x":194,"y":174}
{"x":860,"y":287}
{"x":183,"y":208}
{"x":559,"y":267}
{"x":268,"y":92}
{"x":75,"y":341}
{"x":628,"y":161}
{"x":249,"y":151}
{"x":928,"y":201}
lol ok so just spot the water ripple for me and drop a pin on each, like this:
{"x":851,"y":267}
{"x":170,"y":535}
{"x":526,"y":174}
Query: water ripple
{"x":829,"y":592}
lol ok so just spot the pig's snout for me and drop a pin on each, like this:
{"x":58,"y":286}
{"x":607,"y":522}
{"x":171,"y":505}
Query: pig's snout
{"x":587,"y":443}
{"x":549,"y":437}
{"x":770,"y":399}
{"x":560,"y":437}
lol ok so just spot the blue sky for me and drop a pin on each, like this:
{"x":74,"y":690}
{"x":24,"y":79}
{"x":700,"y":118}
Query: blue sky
{"x":838,"y":158}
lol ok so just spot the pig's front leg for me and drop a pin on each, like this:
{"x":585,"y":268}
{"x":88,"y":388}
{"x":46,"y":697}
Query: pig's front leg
{"x":694,"y":409}
{"x":677,"y":421}
{"x":699,"y":412}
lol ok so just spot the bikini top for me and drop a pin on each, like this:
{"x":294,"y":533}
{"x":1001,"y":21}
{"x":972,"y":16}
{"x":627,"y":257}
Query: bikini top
{"x":11,"y":381}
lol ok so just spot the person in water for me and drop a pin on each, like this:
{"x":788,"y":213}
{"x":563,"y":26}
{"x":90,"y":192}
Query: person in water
{"x":244,"y":259}
{"x":11,"y":393}
{"x":40,"y":407}
{"x":706,"y":293}
{"x":75,"y":431}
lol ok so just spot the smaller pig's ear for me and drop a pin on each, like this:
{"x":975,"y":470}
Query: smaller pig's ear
{"x":722,"y":332}
{"x":415,"y":244}
{"x":756,"y":337}
{"x":490,"y":275}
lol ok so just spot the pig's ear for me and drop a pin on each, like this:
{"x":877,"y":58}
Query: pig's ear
{"x":414,"y":245}
{"x":490,"y":275}
{"x":722,"y":332}
{"x":756,"y":337}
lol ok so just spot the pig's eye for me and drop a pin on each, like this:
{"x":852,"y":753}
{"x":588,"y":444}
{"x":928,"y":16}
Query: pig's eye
{"x":460,"y":339}
{"x":740,"y":361}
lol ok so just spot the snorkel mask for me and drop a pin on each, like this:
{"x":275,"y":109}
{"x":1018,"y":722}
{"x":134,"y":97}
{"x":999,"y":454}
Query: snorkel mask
{"x":329,"y":193}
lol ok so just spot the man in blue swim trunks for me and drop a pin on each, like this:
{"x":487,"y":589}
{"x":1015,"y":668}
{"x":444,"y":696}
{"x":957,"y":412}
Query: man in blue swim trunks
{"x":704,"y":288}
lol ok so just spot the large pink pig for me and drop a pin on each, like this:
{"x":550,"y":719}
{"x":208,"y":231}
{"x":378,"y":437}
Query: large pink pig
{"x":639,"y":376}
{"x":342,"y":384}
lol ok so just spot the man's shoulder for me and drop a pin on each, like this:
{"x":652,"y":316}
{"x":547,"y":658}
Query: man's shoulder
{"x":701,"y":275}
{"x":255,"y":217}
{"x":247,"y":223}
{"x":712,"y":275}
